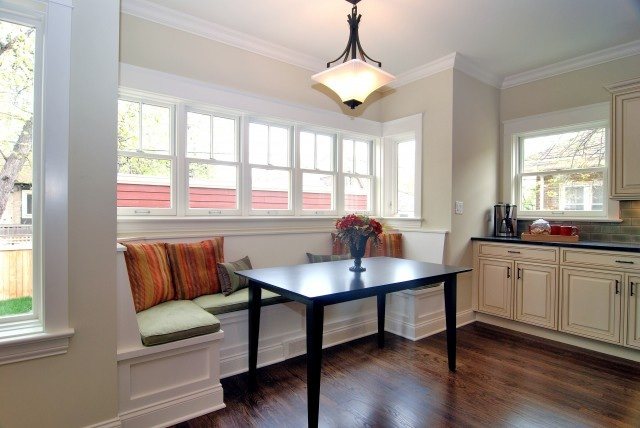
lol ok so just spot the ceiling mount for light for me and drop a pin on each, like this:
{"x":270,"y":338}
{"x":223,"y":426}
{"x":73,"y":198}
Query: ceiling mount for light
{"x":355,"y":79}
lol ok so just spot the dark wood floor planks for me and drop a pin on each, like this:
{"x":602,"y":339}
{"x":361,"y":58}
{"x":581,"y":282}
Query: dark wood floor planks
{"x":503,"y":379}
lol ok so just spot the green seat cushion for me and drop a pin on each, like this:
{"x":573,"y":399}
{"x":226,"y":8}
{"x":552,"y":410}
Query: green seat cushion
{"x":217,"y":304}
{"x":174,"y":320}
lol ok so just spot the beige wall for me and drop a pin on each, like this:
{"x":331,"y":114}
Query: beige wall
{"x":150,"y":45}
{"x":574,"y":89}
{"x":432,"y":96}
{"x":475,"y":171}
{"x":80,"y":388}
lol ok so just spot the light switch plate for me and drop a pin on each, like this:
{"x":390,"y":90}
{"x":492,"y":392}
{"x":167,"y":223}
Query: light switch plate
{"x":459,"y":209}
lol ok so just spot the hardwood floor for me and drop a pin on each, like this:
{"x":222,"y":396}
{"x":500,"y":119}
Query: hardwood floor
{"x":503,"y":379}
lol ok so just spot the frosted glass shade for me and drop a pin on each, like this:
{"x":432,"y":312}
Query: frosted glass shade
{"x":353,"y":80}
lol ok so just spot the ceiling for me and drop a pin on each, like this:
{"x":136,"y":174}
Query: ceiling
{"x":500,"y":37}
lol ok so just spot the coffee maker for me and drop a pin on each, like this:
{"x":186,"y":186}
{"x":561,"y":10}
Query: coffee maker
{"x":505,"y":220}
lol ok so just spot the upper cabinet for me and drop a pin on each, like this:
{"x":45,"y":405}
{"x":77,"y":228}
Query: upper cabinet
{"x":625,"y":138}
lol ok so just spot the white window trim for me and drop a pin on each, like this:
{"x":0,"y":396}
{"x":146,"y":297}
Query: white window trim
{"x":172,"y":157}
{"x":49,"y":334}
{"x":393,"y":132}
{"x":299,"y":171}
{"x":247,"y":180}
{"x":373,"y":144}
{"x":183,"y":163}
{"x":557,"y":121}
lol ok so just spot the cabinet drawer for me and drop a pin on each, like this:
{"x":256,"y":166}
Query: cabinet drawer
{"x":528,"y":252}
{"x":618,"y":261}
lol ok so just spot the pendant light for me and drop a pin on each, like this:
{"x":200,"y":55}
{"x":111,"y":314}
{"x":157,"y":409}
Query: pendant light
{"x":355,"y":79}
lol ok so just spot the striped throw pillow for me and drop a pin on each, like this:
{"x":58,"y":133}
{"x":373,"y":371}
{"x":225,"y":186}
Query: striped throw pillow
{"x":194,"y":267}
{"x":229,"y":281}
{"x":390,"y":246}
{"x":319,"y":258}
{"x":149,"y":274}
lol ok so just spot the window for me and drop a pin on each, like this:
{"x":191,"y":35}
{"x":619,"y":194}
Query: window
{"x":187,"y":159}
{"x":146,"y":158}
{"x":402,"y":154}
{"x":563,"y":173}
{"x":317,"y":164}
{"x":213,"y":165}
{"x":357,"y":169}
{"x":556,"y":165}
{"x":18,"y":293}
{"x":34,"y":140}
{"x":270,"y":169}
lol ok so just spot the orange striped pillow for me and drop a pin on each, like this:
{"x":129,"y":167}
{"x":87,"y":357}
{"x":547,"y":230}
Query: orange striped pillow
{"x":390,"y":246}
{"x":195,"y":267}
{"x":149,"y":274}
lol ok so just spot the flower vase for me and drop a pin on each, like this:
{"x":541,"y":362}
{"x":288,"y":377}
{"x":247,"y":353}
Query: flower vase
{"x":357,"y":252}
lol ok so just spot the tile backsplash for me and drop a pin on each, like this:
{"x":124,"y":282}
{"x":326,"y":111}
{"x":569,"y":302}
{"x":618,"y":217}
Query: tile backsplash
{"x":627,"y":231}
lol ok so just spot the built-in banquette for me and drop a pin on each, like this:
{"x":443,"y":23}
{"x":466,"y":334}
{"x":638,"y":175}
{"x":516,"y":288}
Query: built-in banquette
{"x":176,"y":296}
{"x":585,"y":289}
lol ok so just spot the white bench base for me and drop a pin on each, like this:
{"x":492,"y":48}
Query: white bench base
{"x":168,"y":384}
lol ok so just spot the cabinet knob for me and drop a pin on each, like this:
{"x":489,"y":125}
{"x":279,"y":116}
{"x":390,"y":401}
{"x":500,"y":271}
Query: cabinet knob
{"x":519,"y":273}
{"x":508,"y":272}
{"x":617,"y":287}
{"x":631,"y":284}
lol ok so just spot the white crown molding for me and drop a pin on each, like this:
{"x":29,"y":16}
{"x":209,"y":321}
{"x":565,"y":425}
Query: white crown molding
{"x":181,"y":21}
{"x":580,"y":62}
{"x":441,"y":64}
{"x":470,"y":68}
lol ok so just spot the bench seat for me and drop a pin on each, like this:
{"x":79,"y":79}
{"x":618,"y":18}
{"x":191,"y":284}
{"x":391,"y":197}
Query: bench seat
{"x":175,"y":320}
{"x":217,"y":304}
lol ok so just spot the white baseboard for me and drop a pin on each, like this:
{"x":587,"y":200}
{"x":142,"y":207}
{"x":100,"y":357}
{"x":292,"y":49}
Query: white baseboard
{"x":111,"y":423}
{"x":426,"y":328}
{"x":569,"y":339}
{"x":295,"y":344}
{"x":176,"y":410}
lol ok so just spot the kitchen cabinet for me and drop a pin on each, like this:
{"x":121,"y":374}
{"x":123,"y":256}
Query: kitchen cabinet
{"x":633,"y":311}
{"x":625,"y":139}
{"x":515,"y":282}
{"x":591,"y":303}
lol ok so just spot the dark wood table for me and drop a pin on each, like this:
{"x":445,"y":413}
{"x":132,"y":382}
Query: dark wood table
{"x":320,"y":284}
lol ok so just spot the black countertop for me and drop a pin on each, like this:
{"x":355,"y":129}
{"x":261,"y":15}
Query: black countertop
{"x":610,"y":246}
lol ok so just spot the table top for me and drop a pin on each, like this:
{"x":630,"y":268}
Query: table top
{"x":333,"y":282}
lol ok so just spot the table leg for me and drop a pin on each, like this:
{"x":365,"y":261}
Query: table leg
{"x":382,"y":299}
{"x":254,"y":329}
{"x":450,"y":296}
{"x":315,"y":319}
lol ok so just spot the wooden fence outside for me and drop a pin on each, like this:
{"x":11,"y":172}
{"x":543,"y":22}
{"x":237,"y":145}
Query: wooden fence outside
{"x":16,"y":278}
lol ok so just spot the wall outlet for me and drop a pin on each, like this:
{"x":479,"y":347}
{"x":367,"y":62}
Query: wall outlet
{"x":459,"y":209}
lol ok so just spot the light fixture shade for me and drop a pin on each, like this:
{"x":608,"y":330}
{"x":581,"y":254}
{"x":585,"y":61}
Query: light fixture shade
{"x":353,"y":80}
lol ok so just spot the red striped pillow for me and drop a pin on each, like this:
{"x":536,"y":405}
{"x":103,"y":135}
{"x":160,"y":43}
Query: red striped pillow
{"x":149,"y":274}
{"x":195,"y":267}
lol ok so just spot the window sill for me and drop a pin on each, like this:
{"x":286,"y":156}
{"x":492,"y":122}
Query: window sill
{"x":30,"y":345}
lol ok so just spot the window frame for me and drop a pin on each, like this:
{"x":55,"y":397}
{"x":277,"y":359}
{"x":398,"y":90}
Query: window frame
{"x":184,"y":160}
{"x":46,"y":332}
{"x":151,"y":100}
{"x":247,"y":175}
{"x":595,"y":115}
{"x":342,"y":174}
{"x":301,"y":171}
{"x":394,"y":132}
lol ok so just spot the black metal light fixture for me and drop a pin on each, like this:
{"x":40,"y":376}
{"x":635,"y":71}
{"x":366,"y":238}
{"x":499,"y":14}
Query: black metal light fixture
{"x":355,"y":79}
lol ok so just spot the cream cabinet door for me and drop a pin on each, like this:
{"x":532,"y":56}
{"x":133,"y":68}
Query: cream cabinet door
{"x":591,"y":303}
{"x":495,"y":290}
{"x":633,"y":311}
{"x":536,"y":294}
{"x":626,"y":146}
